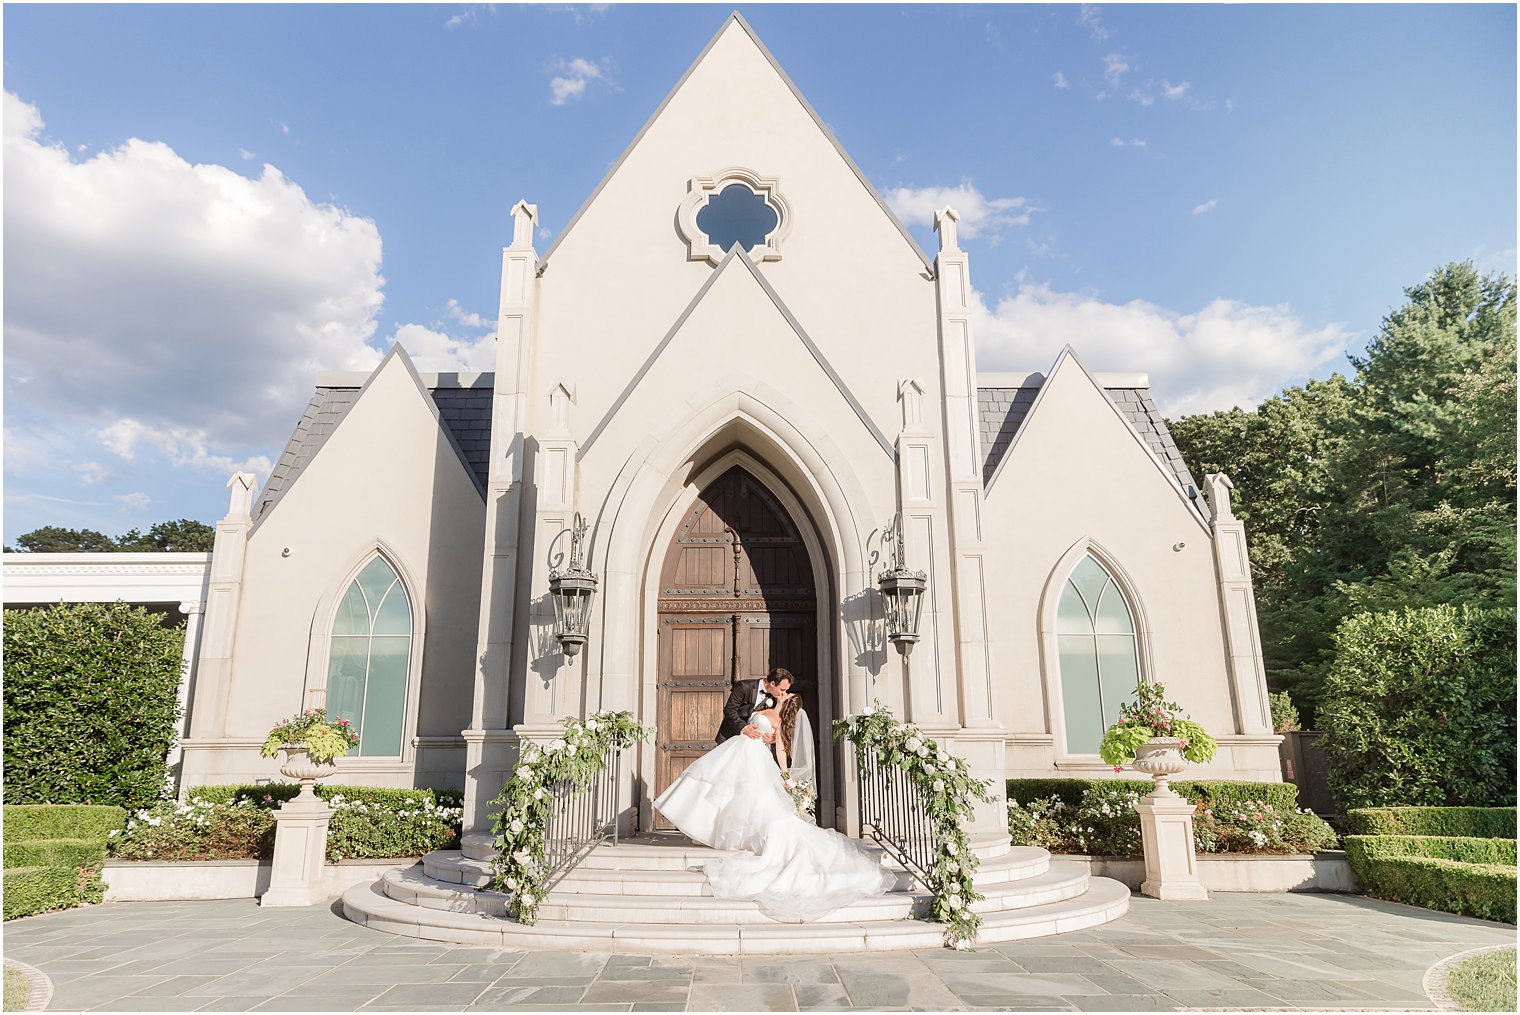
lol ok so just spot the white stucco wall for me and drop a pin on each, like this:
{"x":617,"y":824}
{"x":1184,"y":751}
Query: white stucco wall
{"x":1077,"y":474}
{"x":386,"y":478}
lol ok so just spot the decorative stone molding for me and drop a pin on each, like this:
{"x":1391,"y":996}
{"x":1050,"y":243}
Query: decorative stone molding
{"x":702,"y":189}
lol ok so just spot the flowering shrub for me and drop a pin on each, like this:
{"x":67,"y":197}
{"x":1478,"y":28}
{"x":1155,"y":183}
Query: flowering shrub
{"x":803,"y":793}
{"x":1150,"y":715}
{"x":1106,"y":824}
{"x":945,"y":783}
{"x":324,"y":740}
{"x":528,"y":796}
{"x":237,"y":823}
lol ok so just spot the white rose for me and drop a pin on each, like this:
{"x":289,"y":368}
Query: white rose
{"x":962,"y":944}
{"x":953,"y":901}
{"x":592,"y":724}
{"x":951,"y":867}
{"x":950,"y":848}
{"x":930,"y":769}
{"x":512,"y":884}
{"x":516,"y":827}
{"x":556,"y":746}
{"x":538,"y":794}
{"x":923,"y":752}
{"x":939,"y":786}
{"x":913,"y":744}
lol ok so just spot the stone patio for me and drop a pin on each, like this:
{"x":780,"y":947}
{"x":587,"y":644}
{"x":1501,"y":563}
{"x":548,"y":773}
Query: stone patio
{"x":1306,"y":952}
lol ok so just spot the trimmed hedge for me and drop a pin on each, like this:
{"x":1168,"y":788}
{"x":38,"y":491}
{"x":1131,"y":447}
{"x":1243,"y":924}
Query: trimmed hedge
{"x":1361,"y":848}
{"x":61,"y":821}
{"x":1473,"y":822}
{"x":1419,"y":709}
{"x":91,"y":703}
{"x":73,"y":853}
{"x":1486,"y":891}
{"x":1209,"y":792}
{"x":31,"y":890}
{"x":279,"y":792}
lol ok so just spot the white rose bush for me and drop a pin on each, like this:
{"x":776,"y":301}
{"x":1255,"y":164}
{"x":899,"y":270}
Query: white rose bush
{"x":945,"y":783}
{"x":526,"y":800}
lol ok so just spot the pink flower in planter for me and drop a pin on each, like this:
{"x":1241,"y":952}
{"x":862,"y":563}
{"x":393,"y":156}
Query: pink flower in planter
{"x":1118,"y":768}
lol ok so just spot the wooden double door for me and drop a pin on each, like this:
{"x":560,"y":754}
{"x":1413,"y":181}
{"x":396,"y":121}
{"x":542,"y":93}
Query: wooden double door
{"x":737,"y":597}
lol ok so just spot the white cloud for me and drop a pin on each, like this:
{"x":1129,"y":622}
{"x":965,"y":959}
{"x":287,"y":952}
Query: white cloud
{"x":571,"y":83}
{"x":178,"y":305}
{"x":1141,"y":97}
{"x":434,"y":350}
{"x":1088,"y":18}
{"x":1114,"y":68}
{"x":978,"y":213}
{"x":468,"y":318}
{"x":1134,"y":142}
{"x":1228,"y":353}
{"x":132,"y":501}
{"x":90,"y":473}
{"x":468,"y":15}
{"x":1206,"y":207}
{"x":1172,"y":92}
{"x":1060,"y":80}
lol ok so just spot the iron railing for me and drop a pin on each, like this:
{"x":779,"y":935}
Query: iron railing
{"x":582,"y":818}
{"x":895,"y":812}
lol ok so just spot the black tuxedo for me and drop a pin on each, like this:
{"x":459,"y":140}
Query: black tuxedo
{"x":739,"y":707}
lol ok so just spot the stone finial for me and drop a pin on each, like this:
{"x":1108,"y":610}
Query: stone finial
{"x":945,"y":224}
{"x":524,"y":218}
{"x":1219,"y":496}
{"x":910,"y":392}
{"x":240,"y":504}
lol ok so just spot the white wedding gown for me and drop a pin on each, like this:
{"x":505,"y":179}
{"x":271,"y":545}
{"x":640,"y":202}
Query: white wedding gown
{"x":732,"y":798}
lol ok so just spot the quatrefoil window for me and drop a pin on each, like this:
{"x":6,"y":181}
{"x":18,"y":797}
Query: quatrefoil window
{"x":735,"y":208}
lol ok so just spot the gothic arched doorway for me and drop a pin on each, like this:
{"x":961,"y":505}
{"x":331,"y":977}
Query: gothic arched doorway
{"x":737,"y":596}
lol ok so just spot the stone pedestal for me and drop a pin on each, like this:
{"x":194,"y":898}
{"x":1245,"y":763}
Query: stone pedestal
{"x":300,"y":842}
{"x":1166,"y":831}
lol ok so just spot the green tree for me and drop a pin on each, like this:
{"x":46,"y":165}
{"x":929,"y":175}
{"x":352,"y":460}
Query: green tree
{"x":52,"y":539}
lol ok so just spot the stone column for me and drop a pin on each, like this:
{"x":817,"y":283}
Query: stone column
{"x":490,"y":745}
{"x":300,"y":842}
{"x":189,"y":654}
{"x":1166,"y":832}
{"x":1248,"y":674}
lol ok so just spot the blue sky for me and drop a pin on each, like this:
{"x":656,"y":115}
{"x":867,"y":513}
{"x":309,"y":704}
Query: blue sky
{"x":206,"y":205}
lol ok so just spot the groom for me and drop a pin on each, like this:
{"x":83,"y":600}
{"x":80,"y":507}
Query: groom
{"x":749,"y":697}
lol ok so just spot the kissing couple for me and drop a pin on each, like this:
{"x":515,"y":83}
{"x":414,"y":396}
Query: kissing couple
{"x":733,"y":798}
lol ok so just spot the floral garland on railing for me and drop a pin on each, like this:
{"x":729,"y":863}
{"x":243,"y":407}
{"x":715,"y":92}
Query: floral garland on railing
{"x":946,"y":783}
{"x":528,"y":796}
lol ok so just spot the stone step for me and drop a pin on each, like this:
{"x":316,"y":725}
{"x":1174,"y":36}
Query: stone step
{"x":621,"y":870}
{"x":370,"y":906}
{"x":1065,"y":880}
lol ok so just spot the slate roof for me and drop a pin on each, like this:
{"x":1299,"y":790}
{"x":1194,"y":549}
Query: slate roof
{"x":1002,"y":412}
{"x":465,"y":411}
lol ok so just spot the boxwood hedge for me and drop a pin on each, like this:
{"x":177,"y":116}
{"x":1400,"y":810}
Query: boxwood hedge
{"x":1364,"y":848}
{"x":1486,"y":891}
{"x":53,"y":855}
{"x":91,"y":703}
{"x":1209,"y":792}
{"x":61,"y":821}
{"x":1477,"y":822}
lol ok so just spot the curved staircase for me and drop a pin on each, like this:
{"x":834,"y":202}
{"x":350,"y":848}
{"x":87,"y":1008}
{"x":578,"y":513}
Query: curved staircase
{"x":646,"y":897}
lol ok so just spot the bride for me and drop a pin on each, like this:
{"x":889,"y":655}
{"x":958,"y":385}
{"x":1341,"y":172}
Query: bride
{"x":733,"y":799}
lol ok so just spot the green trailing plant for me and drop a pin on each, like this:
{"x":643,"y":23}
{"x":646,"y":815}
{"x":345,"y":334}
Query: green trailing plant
{"x":91,"y":704}
{"x":524,"y":804}
{"x":945,"y":783}
{"x":324,"y":739}
{"x":1149,"y":716}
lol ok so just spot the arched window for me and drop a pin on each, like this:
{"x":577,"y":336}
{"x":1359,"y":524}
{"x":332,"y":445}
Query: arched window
{"x":1100,"y":664}
{"x":369,"y":658}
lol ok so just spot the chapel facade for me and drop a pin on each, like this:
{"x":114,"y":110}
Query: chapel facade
{"x":744,"y":375}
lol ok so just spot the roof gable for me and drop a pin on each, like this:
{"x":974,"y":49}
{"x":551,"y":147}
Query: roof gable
{"x":715,"y":70}
{"x":462,"y":406}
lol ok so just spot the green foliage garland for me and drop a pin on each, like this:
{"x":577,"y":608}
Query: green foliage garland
{"x":324,"y":740}
{"x":527,"y":798}
{"x":91,"y":704}
{"x":1149,"y":716}
{"x":945,"y":782}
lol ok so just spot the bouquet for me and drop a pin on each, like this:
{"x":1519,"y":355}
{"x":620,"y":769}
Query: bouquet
{"x":803,"y":793}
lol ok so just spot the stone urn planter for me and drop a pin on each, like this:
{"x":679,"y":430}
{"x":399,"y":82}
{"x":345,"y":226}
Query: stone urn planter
{"x":300,"y":766}
{"x":1160,"y":758}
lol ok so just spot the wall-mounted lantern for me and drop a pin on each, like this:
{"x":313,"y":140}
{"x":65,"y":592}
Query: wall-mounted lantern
{"x":573,"y":591}
{"x":902,"y":591}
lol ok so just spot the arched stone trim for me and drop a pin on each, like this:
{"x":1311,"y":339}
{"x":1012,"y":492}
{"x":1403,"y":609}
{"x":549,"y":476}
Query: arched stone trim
{"x":1050,"y":655}
{"x":828,"y":665}
{"x":789,"y":450}
{"x":319,"y":648}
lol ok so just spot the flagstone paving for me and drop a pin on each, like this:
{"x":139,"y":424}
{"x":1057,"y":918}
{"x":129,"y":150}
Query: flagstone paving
{"x":1279,"y":952}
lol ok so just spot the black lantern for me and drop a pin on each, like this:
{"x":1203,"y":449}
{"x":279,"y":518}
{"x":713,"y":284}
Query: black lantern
{"x":902,"y":592}
{"x":573,"y":591}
